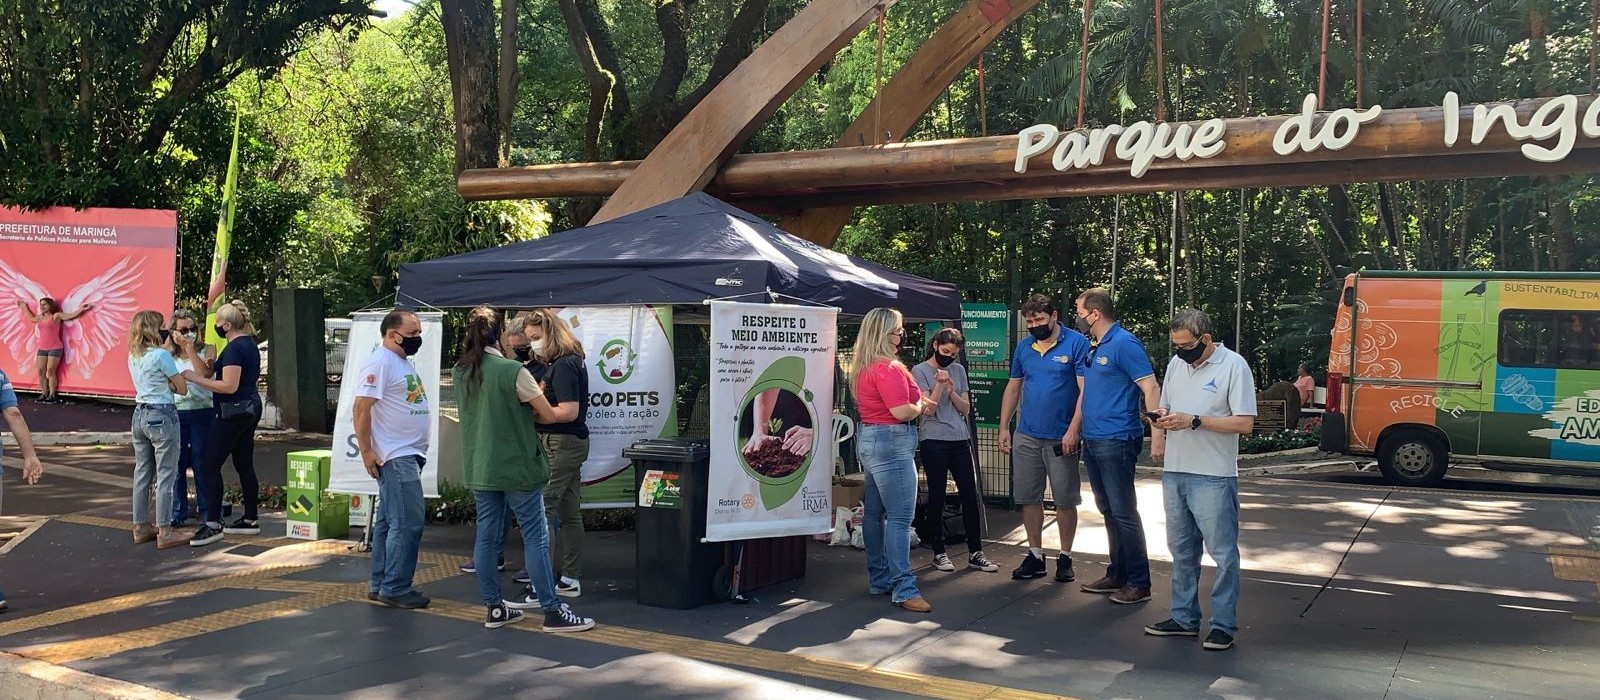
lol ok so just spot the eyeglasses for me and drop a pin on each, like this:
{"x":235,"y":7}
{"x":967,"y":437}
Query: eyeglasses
{"x":1190,"y":346}
{"x":184,"y":329}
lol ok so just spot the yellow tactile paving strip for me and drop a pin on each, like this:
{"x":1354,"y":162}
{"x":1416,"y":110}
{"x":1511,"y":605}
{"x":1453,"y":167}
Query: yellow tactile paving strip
{"x":437,"y":566}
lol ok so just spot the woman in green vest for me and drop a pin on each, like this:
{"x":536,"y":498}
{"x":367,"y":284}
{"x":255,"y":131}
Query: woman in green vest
{"x":507,"y":470}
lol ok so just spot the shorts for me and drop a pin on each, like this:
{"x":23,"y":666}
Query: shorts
{"x":58,"y":352}
{"x":1032,"y":460}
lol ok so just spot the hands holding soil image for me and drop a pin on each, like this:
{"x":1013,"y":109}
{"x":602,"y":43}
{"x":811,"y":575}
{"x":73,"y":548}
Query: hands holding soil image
{"x":778,"y":433}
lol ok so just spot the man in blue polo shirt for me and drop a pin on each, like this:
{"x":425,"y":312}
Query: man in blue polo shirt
{"x":1118,"y":386}
{"x":1046,"y":374}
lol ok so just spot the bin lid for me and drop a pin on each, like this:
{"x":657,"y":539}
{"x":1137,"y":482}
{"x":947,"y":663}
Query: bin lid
{"x":676,"y":449}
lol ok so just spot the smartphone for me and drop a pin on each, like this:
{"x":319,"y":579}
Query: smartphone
{"x":1056,"y":448}
{"x":1153,"y":416}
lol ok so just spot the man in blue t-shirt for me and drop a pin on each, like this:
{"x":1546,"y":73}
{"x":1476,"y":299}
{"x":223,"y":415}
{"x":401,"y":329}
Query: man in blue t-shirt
{"x":31,"y":468}
{"x":1118,"y":387}
{"x":1046,"y":376}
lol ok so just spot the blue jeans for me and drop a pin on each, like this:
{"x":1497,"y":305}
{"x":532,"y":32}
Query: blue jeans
{"x":494,"y":511}
{"x":194,"y":427}
{"x":155,"y":459}
{"x":397,"y":526}
{"x":1203,"y":509}
{"x":1110,"y":466}
{"x":887,"y":453}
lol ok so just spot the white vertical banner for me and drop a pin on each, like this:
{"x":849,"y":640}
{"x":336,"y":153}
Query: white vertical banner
{"x":349,"y":475}
{"x":632,"y":391}
{"x":771,"y":420}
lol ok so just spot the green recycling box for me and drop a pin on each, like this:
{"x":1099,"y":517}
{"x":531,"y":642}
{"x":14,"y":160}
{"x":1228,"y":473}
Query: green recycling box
{"x":313,"y":514}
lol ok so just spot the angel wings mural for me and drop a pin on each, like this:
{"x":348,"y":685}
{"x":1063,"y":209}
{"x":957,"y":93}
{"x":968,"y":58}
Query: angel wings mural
{"x":89,"y":337}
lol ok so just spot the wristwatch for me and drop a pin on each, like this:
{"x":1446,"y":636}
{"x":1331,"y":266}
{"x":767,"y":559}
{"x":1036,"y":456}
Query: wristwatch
{"x":1194,"y":423}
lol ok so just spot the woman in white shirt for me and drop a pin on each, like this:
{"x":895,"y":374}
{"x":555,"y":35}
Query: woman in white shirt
{"x":156,"y":382}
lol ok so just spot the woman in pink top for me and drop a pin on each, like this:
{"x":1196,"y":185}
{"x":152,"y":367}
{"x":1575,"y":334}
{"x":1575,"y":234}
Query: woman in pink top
{"x":1306,"y":384}
{"x":889,"y":401}
{"x":52,"y":349}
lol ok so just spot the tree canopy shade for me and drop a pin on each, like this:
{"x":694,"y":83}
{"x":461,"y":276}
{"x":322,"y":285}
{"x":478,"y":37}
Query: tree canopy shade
{"x":682,"y":252}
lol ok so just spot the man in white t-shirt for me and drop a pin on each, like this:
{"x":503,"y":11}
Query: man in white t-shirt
{"x":1208,"y":401}
{"x":392,"y":417}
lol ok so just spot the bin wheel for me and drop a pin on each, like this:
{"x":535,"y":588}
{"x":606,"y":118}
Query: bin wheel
{"x":722,"y":584}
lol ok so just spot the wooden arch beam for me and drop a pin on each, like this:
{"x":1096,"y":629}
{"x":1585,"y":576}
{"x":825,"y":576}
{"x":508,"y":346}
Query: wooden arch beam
{"x":731,"y":113}
{"x":910,"y":93}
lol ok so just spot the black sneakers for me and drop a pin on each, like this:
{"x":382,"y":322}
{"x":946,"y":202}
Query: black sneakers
{"x":526,"y":600}
{"x":1169,"y":628}
{"x":1064,"y":572}
{"x":500,"y":616}
{"x":243,"y":526}
{"x":522,"y":577}
{"x":471,"y":567}
{"x":204,"y":536}
{"x":410,"y":600}
{"x":1032,"y":567}
{"x":563,"y":619}
{"x":1218,"y":640}
{"x":978,"y":561}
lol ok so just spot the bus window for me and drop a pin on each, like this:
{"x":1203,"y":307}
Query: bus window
{"x":1554,"y":339}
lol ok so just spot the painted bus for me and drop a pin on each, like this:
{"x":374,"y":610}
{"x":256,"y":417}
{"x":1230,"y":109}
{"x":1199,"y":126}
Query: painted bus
{"x":1501,"y":369}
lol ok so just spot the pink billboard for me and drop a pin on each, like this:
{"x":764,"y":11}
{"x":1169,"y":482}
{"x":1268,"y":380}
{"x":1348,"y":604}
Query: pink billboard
{"x":99,"y":267}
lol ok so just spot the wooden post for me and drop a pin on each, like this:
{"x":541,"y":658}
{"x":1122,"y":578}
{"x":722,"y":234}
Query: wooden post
{"x":687,"y":158}
{"x":908,"y":95}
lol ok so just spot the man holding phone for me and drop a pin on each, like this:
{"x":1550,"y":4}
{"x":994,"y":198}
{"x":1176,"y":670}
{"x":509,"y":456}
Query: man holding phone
{"x":1047,"y":379}
{"x":1118,"y":385}
{"x":1209,"y":401}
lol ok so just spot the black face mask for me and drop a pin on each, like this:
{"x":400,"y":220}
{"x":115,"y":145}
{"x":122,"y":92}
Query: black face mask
{"x":166,"y":336}
{"x":1084,"y":326}
{"x":221,"y":332}
{"x":1192,"y":355}
{"x":523,"y":354}
{"x":944,"y":360}
{"x":1041,"y":332}
{"x":410,"y":345}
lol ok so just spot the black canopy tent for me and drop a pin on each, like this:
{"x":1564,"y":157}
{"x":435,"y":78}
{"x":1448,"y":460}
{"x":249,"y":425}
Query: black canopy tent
{"x":683,"y":252}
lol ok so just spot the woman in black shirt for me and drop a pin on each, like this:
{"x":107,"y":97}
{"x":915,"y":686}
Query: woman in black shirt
{"x":233,"y":431}
{"x":557,"y":364}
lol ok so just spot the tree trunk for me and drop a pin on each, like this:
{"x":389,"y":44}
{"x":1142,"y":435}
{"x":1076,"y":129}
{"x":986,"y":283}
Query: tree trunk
{"x":508,"y":78}
{"x":469,"y":34}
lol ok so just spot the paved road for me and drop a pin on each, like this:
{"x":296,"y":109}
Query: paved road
{"x":1350,"y":591}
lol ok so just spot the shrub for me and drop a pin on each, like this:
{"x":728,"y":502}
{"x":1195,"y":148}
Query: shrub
{"x":1278,"y":442}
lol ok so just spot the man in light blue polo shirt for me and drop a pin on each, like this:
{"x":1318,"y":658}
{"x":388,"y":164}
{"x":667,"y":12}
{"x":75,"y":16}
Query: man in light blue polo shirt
{"x":31,"y":468}
{"x":1118,"y":385}
{"x":1046,"y":377}
{"x":1208,"y":402}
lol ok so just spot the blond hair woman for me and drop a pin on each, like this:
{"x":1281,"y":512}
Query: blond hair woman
{"x":557,"y":364}
{"x":233,"y":433}
{"x":156,"y":439}
{"x":889,"y":401}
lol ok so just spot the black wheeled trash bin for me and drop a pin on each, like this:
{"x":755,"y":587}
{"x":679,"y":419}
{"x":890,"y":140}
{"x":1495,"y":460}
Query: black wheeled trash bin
{"x":673,"y":567}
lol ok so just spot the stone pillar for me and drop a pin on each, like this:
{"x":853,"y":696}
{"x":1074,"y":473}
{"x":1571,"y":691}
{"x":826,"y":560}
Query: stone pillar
{"x":297,"y":360}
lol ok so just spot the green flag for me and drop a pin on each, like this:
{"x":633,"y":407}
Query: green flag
{"x":215,"y":296}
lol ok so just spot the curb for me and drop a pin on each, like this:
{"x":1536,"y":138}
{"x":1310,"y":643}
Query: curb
{"x":75,"y":438}
{"x":21,"y":677}
{"x":1280,"y":453}
{"x":1247,"y":470}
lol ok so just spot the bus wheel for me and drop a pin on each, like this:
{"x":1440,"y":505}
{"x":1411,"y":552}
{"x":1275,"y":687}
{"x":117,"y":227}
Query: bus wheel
{"x":1413,"y":458}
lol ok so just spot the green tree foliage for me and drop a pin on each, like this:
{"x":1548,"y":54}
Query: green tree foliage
{"x":104,"y":101}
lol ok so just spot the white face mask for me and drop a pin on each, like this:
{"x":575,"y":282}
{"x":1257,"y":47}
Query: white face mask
{"x":536,"y":347}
